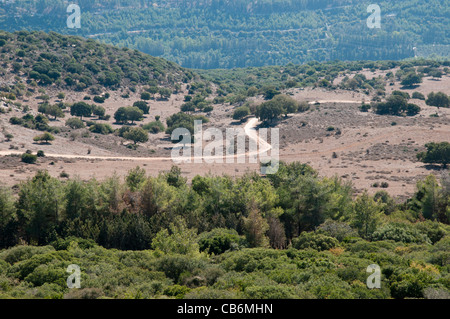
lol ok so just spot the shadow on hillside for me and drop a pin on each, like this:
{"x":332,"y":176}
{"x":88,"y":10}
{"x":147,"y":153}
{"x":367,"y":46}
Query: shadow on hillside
{"x":435,"y":167}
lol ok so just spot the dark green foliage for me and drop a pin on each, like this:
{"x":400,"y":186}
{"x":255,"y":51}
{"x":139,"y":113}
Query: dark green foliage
{"x":99,"y":99}
{"x":98,"y":110}
{"x":220,"y":240}
{"x":289,"y":28}
{"x":197,"y":102}
{"x":51,"y":110}
{"x":433,"y":230}
{"x":46,"y":137}
{"x":165,"y":93}
{"x":15,"y":121}
{"x":174,"y":178}
{"x":101,"y":128}
{"x":143,"y":106}
{"x":145,"y":96}
{"x":154,"y":127}
{"x":81,"y":109}
{"x":131,"y":113}
{"x":412,"y":109}
{"x":280,"y":104}
{"x":79,"y":64}
{"x":121,"y":115}
{"x":269,"y":92}
{"x":411,"y":78}
{"x":365,"y":107}
{"x":315,"y":241}
{"x":185,"y":224}
{"x":269,"y":111}
{"x":336,"y":229}
{"x":241,"y":112}
{"x":396,"y":105}
{"x":438,"y":99}
{"x":437,"y":153}
{"x":136,"y":134}
{"x":402,"y":94}
{"x":183,"y":120}
{"x":400,"y":233}
{"x":40,"y":122}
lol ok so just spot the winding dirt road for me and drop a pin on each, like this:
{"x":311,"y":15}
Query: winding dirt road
{"x":249,"y":130}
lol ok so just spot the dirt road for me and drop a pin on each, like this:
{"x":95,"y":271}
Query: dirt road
{"x":249,"y":130}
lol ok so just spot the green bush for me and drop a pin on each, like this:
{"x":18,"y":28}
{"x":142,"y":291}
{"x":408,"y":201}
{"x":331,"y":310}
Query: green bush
{"x":219,"y":240}
{"x":145,"y":96}
{"x":143,"y":106}
{"x":315,"y":241}
{"x":154,"y":127}
{"x":410,"y":284}
{"x":418,"y":95}
{"x":29,"y":158}
{"x":433,"y":230}
{"x":65,"y":243}
{"x":336,"y":229}
{"x":241,"y":112}
{"x":175,"y":265}
{"x":100,"y":128}
{"x":400,"y":233}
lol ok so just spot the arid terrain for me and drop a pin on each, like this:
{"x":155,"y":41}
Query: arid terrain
{"x":333,"y":136}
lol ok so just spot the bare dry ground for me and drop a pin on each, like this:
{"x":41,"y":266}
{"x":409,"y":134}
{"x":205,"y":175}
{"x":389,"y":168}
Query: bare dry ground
{"x":334,"y":137}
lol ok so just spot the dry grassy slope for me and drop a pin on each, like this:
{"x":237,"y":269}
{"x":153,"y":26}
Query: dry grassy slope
{"x":369,"y":148}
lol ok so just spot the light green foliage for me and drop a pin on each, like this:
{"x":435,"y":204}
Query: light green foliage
{"x":220,"y":240}
{"x":401,"y":233}
{"x":81,"y":109}
{"x":101,"y":128}
{"x":135,"y":178}
{"x":315,"y":241}
{"x":163,"y":237}
{"x":180,"y":240}
{"x":241,"y":112}
{"x":366,"y":214}
{"x":154,"y":127}
{"x":431,"y":199}
{"x":45,"y":137}
{"x":438,"y":99}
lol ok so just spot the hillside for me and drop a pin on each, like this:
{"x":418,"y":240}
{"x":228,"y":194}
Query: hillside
{"x":89,"y":179}
{"x":227,"y":34}
{"x":74,"y":63}
{"x":46,"y":77}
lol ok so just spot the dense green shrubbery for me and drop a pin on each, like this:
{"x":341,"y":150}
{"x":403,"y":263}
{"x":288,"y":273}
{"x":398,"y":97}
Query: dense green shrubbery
{"x":154,"y":127}
{"x":250,"y":273}
{"x":315,"y":241}
{"x":437,"y":153}
{"x":397,"y":104}
{"x":218,"y":241}
{"x":212,"y":238}
{"x":54,"y":59}
{"x":101,"y":128}
{"x":75,"y":123}
{"x":401,"y":233}
{"x":29,"y":158}
{"x":38,"y":122}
